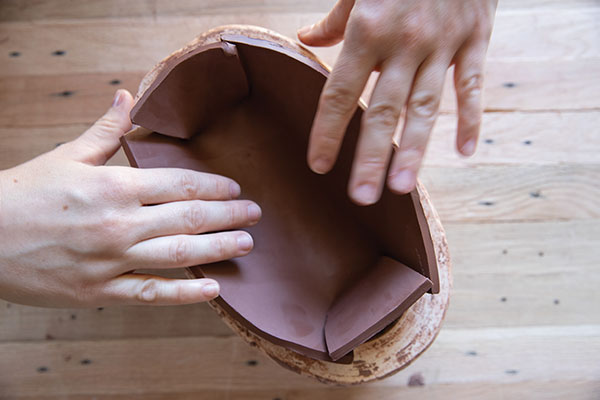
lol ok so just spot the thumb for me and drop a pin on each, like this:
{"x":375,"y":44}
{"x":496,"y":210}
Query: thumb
{"x":330,"y":30}
{"x":101,"y":141}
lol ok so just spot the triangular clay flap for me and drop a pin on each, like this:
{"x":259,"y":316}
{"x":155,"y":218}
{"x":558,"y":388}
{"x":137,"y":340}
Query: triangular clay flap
{"x":312,"y":244}
{"x":371,"y":303}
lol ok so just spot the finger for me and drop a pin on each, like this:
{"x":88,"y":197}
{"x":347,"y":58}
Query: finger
{"x":378,"y":125}
{"x":187,"y":250}
{"x":100,"y":142}
{"x":140,"y":289}
{"x":162,"y":185}
{"x":337,"y":104}
{"x":330,"y":30}
{"x":421,"y":113}
{"x":192,"y":217}
{"x":468,"y":80}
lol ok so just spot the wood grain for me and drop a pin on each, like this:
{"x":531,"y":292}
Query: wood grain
{"x":188,"y":364}
{"x":523,"y":321}
{"x":109,"y":44}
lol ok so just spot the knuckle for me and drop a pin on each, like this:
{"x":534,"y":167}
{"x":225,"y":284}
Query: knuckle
{"x":118,"y":186}
{"x":221,"y":246}
{"x":373,"y":164}
{"x":383,"y":114}
{"x":110,"y":229}
{"x":365,"y":22}
{"x":194,"y":218}
{"x":179,"y":251}
{"x":423,"y":105}
{"x":234,"y":214}
{"x":470,"y":85}
{"x":187,"y":185}
{"x":106,"y":124}
{"x":338,"y":99}
{"x":149,"y":291}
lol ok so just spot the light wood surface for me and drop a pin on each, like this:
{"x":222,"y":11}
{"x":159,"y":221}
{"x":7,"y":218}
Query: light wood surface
{"x":522,"y":216}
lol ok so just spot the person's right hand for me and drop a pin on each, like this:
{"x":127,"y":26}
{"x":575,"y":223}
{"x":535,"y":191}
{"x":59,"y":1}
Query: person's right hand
{"x":72,"y":230}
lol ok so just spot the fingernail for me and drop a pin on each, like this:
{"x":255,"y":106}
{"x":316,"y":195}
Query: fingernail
{"x":244,"y":242}
{"x":468,"y":149}
{"x":403,"y":181}
{"x":365,"y":194}
{"x":304,"y":30}
{"x":234,"y":190}
{"x":254,"y":212}
{"x":320,"y":165}
{"x":211,"y":290}
{"x":118,"y":99}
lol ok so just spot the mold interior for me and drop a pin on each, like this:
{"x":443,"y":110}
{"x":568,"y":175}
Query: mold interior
{"x":312,"y":243}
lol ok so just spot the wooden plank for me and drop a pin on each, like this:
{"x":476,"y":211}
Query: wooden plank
{"x":514,"y":193}
{"x":524,"y":274}
{"x":502,"y":356}
{"x":417,"y":390}
{"x":23,"y":323}
{"x":507,"y":138}
{"x":82,"y":98}
{"x":115,"y":45}
{"x":31,"y":10}
{"x":537,"y":85}
{"x":520,"y":138}
{"x":60,"y":100}
{"x":505,"y":275}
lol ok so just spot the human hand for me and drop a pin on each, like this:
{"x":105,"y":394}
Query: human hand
{"x":412,"y":43}
{"x":72,"y":230}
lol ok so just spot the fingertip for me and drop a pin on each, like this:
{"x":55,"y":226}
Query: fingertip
{"x":211,"y":289}
{"x":254,"y":212}
{"x":468,"y":148}
{"x":245,"y":242}
{"x":304,"y":31}
{"x":365,"y":194}
{"x":402,"y":182}
{"x":320,"y":165}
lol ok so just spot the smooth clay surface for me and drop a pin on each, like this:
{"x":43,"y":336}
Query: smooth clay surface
{"x":325,"y":274}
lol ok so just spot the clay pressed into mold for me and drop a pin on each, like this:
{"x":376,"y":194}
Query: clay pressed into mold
{"x":316,"y":254}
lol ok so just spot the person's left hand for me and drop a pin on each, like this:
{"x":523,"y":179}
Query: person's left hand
{"x":412,"y":43}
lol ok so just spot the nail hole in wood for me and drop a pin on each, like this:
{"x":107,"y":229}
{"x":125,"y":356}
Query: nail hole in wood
{"x":42,"y":369}
{"x":115,"y":82}
{"x":251,"y":363}
{"x":14,"y":54}
{"x":488,"y":141}
{"x":65,"y":93}
{"x":416,"y":379}
{"x":509,"y":84}
{"x":486,"y":203}
{"x":59,"y":53}
{"x":503,"y":299}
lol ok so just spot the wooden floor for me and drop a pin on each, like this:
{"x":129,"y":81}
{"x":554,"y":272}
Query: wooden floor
{"x":522,"y":216}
